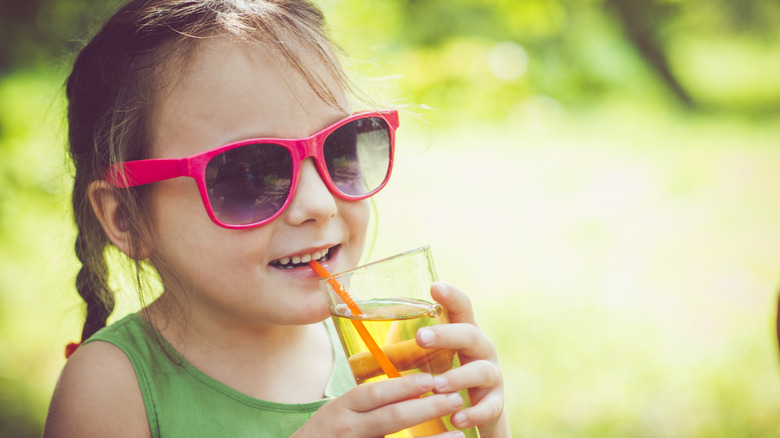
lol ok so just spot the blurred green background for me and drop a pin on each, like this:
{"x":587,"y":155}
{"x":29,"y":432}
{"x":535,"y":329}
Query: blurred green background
{"x":601,"y":176}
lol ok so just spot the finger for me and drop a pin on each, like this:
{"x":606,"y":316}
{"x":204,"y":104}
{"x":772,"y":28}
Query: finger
{"x":468,"y":339}
{"x":449,"y":434}
{"x":478,"y":374}
{"x":488,"y":410}
{"x":398,"y":416}
{"x":370,"y":396}
{"x":456,"y":302}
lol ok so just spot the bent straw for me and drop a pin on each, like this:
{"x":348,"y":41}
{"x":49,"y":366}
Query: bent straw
{"x":361,"y":329}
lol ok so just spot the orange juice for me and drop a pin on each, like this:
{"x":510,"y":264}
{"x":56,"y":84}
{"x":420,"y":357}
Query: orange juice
{"x":393,"y":323}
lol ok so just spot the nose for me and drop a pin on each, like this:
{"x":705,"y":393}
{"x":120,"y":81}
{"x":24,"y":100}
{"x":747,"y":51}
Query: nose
{"x":312,"y":201}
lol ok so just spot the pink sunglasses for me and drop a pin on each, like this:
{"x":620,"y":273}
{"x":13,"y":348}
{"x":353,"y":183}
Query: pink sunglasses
{"x":249,"y":183}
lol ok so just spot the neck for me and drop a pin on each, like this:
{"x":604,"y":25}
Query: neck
{"x":282,"y":363}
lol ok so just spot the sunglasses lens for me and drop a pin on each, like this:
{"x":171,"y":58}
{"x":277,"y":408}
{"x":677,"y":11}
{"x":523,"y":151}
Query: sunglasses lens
{"x":357,"y":155}
{"x":249,"y":184}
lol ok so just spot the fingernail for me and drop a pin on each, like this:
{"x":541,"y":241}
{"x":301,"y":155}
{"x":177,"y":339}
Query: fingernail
{"x":426,"y":336}
{"x":455,"y":400}
{"x":440,"y":383}
{"x":458,"y":418}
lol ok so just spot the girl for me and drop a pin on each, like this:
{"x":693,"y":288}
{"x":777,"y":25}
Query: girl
{"x":235,"y":345}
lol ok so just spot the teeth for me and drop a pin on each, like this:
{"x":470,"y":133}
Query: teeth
{"x":304,"y":258}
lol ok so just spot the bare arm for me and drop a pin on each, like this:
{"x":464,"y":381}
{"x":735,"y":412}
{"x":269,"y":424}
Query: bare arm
{"x":97,"y":395}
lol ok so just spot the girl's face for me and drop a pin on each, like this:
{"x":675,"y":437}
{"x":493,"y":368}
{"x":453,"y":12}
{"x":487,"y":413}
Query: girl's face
{"x":232,"y":91}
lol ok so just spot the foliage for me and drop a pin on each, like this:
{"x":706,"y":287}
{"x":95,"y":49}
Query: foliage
{"x":475,"y":54}
{"x":35,"y":32}
{"x":483,"y":58}
{"x":36,"y":250}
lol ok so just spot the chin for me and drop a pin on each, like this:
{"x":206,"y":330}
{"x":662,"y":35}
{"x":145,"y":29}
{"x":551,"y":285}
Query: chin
{"x":315,"y":313}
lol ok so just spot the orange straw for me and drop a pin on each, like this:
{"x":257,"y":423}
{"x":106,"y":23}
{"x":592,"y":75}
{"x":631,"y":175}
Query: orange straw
{"x":379,"y":355}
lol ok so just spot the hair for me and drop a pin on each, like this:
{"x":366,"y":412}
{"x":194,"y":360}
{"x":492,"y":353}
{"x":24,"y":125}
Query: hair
{"x":118,"y":77}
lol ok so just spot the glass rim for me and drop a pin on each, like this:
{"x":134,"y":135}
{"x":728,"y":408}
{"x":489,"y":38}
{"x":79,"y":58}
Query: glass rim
{"x":423,"y":249}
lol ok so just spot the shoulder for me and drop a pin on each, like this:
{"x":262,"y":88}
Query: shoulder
{"x":97,"y":395}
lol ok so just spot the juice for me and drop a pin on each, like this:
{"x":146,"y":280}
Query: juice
{"x":393,"y":323}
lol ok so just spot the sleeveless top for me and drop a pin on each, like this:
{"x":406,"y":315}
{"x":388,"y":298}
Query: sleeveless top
{"x":182,"y":401}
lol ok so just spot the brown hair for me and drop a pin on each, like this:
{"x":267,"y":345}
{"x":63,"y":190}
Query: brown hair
{"x":116,"y":80}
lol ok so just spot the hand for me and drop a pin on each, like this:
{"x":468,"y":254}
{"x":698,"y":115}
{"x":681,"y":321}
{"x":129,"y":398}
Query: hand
{"x":479,"y":371}
{"x":381,"y":408}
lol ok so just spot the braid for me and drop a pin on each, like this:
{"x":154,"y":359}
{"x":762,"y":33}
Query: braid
{"x":92,"y":284}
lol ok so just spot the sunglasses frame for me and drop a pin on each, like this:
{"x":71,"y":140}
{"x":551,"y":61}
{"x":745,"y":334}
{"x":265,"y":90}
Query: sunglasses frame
{"x":139,"y":172}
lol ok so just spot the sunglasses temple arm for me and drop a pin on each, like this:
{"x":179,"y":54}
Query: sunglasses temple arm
{"x":136,"y":173}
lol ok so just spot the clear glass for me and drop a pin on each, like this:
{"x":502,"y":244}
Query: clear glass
{"x":394,"y":297}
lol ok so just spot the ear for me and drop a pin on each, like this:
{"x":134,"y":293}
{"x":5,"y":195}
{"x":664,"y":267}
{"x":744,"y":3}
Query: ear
{"x":102,"y":196}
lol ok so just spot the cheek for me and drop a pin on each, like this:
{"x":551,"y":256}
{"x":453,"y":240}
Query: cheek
{"x":356,"y":219}
{"x":177,"y":204}
{"x":181,"y":226}
{"x":356,"y":215}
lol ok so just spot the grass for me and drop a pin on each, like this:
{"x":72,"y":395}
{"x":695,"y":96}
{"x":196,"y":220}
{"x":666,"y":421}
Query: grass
{"x":623,"y":260}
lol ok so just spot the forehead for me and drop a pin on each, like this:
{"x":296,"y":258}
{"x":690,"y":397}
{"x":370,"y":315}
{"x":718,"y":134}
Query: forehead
{"x":231,"y":90}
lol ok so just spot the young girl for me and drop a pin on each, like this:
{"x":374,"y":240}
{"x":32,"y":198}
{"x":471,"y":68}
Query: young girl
{"x":235,"y":345}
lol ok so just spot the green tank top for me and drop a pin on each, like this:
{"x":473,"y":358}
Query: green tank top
{"x":182,"y":401}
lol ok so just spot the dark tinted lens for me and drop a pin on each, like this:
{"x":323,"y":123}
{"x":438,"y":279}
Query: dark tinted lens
{"x":250,"y":183}
{"x":358,"y":155}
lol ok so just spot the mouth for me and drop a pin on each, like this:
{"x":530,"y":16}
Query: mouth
{"x":302,"y":260}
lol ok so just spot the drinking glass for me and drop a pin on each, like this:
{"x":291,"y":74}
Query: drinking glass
{"x":393,"y":296}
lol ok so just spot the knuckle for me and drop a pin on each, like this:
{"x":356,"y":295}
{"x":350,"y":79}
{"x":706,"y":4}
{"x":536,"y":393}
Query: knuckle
{"x":492,"y":372}
{"x":484,"y":340}
{"x":464,"y":298}
{"x":478,"y":336}
{"x":342,"y":429}
{"x":483,"y":374}
{"x":495,"y":409}
{"x":396,"y":414}
{"x":368,"y":394}
{"x":486,"y":410}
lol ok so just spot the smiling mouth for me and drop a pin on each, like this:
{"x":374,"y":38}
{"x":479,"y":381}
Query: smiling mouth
{"x":301,"y":260}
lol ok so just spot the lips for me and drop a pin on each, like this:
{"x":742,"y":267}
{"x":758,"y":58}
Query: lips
{"x":301,"y":260}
